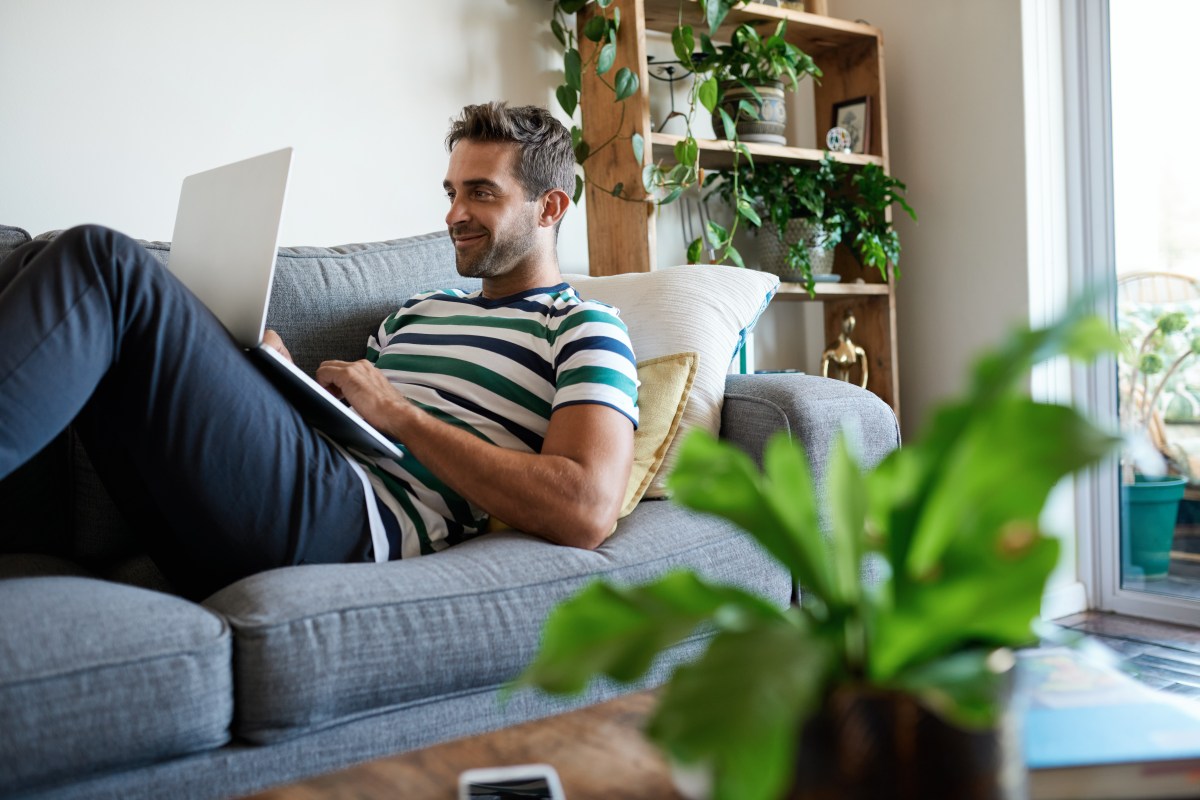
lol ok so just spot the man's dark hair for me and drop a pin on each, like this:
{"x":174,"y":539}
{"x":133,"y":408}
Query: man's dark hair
{"x":545,"y":157}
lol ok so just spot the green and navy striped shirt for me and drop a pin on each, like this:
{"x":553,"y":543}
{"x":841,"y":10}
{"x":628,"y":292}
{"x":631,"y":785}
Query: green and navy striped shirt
{"x":497,"y":369}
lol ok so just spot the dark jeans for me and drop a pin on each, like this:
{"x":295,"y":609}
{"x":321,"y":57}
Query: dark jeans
{"x":206,"y":460}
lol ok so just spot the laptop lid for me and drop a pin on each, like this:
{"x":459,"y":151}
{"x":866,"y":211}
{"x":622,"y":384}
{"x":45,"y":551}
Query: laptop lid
{"x":226,"y":238}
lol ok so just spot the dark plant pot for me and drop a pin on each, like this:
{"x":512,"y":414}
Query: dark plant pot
{"x":1150,"y":507}
{"x":772,"y":113}
{"x":867,"y":744}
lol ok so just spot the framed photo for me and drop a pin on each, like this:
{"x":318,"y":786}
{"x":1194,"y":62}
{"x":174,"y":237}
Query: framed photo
{"x":855,"y":116}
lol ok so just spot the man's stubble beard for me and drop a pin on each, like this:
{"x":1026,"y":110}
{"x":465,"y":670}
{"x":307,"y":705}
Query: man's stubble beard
{"x":500,"y":256}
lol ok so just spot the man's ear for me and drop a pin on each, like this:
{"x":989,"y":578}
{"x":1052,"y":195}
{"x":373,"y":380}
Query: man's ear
{"x":554,"y":205}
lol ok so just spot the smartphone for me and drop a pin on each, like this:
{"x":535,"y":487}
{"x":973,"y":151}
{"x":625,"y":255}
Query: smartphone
{"x":511,"y":783}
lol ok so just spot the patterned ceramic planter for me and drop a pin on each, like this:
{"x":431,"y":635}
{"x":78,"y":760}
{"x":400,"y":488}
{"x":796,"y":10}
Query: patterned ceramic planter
{"x":772,"y":113}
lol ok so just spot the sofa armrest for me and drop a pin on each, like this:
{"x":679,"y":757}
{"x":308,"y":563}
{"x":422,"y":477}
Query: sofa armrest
{"x":812,"y":409}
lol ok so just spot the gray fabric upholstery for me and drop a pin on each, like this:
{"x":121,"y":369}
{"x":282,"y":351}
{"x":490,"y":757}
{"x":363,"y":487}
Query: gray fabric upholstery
{"x":239,"y":768}
{"x":10,"y":239}
{"x":813,"y":410}
{"x":465,"y":619}
{"x":97,"y":676}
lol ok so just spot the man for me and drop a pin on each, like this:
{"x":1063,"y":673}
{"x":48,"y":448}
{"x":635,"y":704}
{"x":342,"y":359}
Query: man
{"x":517,"y":402}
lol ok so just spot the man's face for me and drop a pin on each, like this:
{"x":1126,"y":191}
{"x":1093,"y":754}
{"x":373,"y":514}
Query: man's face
{"x":493,"y":225}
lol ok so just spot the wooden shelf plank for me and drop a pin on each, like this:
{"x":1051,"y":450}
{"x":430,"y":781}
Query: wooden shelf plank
{"x":812,"y":33}
{"x":715,"y":154}
{"x":830,"y":291}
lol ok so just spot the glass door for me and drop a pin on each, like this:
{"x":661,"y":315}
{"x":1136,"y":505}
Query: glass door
{"x":1155,"y":202}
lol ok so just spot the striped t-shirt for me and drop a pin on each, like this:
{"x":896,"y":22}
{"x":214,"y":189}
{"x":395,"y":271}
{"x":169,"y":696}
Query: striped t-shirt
{"x":496,"y":368}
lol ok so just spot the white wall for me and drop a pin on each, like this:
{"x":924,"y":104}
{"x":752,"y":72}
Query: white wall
{"x":104,"y":107}
{"x":956,"y":133}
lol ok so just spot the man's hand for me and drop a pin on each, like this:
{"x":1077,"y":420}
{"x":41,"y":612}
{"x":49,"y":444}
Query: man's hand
{"x":368,"y":392}
{"x":272,"y":339}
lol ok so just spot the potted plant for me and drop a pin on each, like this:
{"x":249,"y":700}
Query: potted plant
{"x":751,"y":71}
{"x":1155,"y":348}
{"x":806,"y":211}
{"x":951,"y":523}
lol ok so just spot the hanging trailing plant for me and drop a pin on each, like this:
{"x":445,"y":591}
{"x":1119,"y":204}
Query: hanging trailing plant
{"x":711,"y":64}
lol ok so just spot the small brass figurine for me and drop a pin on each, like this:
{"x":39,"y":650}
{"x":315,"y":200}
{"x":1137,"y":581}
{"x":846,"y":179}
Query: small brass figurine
{"x":845,"y":354}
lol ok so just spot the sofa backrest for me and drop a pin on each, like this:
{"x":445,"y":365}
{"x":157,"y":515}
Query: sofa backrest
{"x":326,"y":301}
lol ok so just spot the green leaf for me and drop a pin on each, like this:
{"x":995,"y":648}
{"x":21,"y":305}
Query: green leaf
{"x":672,"y":196}
{"x":718,"y":236}
{"x":608,"y":55}
{"x":747,"y":110}
{"x":578,"y":189}
{"x":576,"y":136}
{"x":616,"y":25}
{"x":594,"y":28}
{"x":568,"y":98}
{"x":573,"y":69}
{"x":604,"y":3}
{"x":684,"y":43}
{"x":778,"y":509}
{"x":964,"y":687}
{"x":650,"y":174}
{"x":582,"y":151}
{"x":617,"y":631}
{"x":639,"y":147}
{"x":733,"y":255}
{"x":727,"y":123}
{"x":695,"y":251}
{"x":616,"y":192}
{"x":571,"y":6}
{"x":963,"y":607}
{"x":747,"y":212}
{"x":626,"y":83}
{"x":687,"y":151}
{"x":707,"y":93}
{"x":739,"y":707}
{"x":847,"y":512}
{"x":714,"y":13}
{"x":1002,"y":471}
{"x":559,"y":33}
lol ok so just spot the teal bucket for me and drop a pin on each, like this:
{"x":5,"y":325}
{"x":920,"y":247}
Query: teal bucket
{"x":1150,"y":507}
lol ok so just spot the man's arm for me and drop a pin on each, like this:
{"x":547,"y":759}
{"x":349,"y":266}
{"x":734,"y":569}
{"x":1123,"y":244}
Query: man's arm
{"x":570,"y":493}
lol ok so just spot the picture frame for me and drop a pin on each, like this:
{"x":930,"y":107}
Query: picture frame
{"x":855,"y":117}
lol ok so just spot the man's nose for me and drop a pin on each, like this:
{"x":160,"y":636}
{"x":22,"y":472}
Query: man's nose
{"x":457,"y":213}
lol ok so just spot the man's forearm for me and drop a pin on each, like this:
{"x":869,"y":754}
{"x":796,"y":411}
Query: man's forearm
{"x":564,"y":499}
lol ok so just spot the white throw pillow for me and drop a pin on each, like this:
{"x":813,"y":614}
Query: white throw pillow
{"x":704,"y":309}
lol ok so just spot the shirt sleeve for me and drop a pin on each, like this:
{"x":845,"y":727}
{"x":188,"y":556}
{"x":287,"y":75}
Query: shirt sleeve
{"x":594,"y":362}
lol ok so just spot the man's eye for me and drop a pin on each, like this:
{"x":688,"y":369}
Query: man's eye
{"x":450,"y":196}
{"x":482,"y":195}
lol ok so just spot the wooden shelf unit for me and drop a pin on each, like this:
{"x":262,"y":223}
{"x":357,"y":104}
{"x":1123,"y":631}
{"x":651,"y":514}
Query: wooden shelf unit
{"x":621,"y":233}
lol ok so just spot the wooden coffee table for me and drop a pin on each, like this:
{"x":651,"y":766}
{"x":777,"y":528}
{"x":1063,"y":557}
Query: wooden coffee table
{"x":599,"y":752}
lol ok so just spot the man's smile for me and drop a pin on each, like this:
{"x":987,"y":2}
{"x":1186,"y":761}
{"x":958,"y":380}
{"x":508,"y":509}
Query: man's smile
{"x":467,"y":239}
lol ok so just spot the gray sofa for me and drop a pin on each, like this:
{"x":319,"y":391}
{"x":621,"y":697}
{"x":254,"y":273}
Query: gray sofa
{"x":112,"y":687}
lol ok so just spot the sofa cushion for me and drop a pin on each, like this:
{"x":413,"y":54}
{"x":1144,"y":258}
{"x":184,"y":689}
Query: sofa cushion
{"x":10,"y":239}
{"x":664,"y":385}
{"x":318,"y":646}
{"x":96,"y":676}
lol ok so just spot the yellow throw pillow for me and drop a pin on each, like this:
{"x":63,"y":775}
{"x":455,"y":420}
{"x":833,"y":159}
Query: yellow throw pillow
{"x":666,"y":382}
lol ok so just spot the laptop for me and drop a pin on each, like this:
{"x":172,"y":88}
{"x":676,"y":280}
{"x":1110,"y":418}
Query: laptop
{"x":223,"y":249}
